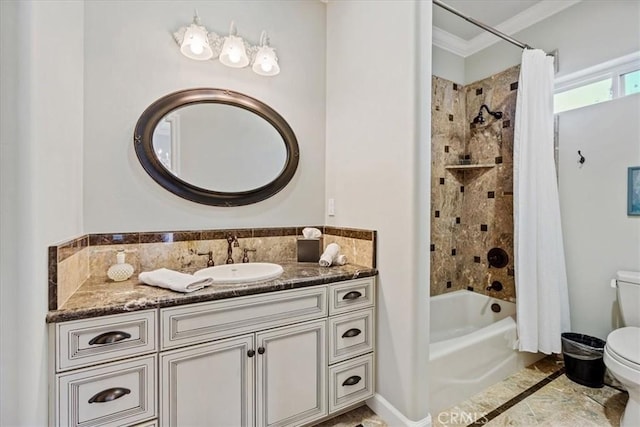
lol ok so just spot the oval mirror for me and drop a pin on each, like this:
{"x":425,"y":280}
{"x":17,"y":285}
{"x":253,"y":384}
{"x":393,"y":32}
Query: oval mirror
{"x":216,"y":147}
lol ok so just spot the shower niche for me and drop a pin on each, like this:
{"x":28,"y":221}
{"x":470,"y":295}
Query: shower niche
{"x":472,"y":200}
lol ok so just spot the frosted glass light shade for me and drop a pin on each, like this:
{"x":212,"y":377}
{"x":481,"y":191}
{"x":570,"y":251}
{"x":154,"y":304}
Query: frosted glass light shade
{"x":266,"y":62}
{"x":195,"y":44}
{"x":234,"y":53}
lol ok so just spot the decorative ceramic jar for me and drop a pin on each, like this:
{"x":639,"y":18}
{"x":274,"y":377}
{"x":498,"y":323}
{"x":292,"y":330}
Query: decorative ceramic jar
{"x":120,"y":270}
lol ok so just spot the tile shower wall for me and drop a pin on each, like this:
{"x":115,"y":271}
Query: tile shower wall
{"x":472,"y":208}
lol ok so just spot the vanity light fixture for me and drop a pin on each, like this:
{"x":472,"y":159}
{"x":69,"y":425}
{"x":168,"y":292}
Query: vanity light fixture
{"x":194,"y":40}
{"x":266,"y":61}
{"x":234,"y":51}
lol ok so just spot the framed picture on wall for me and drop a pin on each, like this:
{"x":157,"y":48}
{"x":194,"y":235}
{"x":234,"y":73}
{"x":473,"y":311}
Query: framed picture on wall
{"x":633,"y":188}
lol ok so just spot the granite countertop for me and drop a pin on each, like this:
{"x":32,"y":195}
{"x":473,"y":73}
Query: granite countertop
{"x":99,"y":298}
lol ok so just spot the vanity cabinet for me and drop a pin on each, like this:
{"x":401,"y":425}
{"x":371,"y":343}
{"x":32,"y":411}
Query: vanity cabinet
{"x":208,"y":384}
{"x":291,"y":375}
{"x":283,"y":358}
{"x":215,"y":384}
{"x":86,"y":391}
{"x":284,"y":367}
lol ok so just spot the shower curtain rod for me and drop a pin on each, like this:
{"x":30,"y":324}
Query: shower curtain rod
{"x":483,"y":26}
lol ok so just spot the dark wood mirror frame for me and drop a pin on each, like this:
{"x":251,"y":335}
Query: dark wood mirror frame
{"x":143,"y":143}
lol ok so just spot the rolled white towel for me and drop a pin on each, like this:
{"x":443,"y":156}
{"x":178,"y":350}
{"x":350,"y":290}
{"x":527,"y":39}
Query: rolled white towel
{"x":174,"y":280}
{"x":340,"y":259}
{"x":331,"y":251}
{"x":311,"y":233}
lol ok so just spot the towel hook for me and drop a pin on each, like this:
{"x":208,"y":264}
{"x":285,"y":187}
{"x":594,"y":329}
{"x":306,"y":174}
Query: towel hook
{"x":582,"y":159}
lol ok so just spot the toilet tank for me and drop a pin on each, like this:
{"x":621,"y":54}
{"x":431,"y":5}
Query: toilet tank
{"x":628,"y":284}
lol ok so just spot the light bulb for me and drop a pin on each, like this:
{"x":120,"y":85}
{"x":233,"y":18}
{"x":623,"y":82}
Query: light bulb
{"x":234,"y":55}
{"x":196,"y":46}
{"x":266,"y":65}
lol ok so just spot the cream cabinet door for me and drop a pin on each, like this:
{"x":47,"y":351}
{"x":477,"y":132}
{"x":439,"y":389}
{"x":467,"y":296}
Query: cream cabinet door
{"x":209,"y":384}
{"x":291,"y":374}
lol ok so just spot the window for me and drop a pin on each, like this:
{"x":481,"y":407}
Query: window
{"x":581,"y":96}
{"x":603,"y":82}
{"x":630,"y":83}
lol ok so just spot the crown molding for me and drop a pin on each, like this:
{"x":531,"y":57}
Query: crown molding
{"x":536,"y":13}
{"x":447,"y":41}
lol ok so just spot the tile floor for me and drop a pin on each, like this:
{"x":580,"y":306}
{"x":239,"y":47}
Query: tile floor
{"x":540,"y":395}
{"x":362,"y":416}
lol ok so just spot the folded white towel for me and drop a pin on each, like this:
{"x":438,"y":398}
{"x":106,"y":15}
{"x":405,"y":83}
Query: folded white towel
{"x":311,"y":233}
{"x":340,"y":259}
{"x":331,"y":251}
{"x":174,"y":280}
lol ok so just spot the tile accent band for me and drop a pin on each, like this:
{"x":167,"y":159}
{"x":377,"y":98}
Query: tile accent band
{"x":517,"y":399}
{"x":68,"y":248}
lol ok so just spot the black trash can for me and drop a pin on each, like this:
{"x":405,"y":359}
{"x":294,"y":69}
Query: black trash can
{"x":583,"y":359}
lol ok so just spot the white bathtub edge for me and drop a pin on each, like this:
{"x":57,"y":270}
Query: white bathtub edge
{"x":392,"y":416}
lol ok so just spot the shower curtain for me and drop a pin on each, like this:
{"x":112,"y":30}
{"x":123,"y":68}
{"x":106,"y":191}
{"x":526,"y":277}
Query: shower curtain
{"x":540,"y":273}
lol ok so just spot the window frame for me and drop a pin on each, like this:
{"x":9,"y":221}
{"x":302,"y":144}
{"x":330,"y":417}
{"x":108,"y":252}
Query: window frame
{"x":613,"y":70}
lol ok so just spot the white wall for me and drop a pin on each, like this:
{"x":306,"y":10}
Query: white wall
{"x":41,"y":183}
{"x":9,"y":56}
{"x":587,"y":33}
{"x":132,"y":60}
{"x":599,"y":236}
{"x":377,"y":171}
{"x":448,"y":65}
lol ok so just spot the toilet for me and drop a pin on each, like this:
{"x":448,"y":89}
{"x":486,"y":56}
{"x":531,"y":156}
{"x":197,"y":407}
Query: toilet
{"x":622,"y":351}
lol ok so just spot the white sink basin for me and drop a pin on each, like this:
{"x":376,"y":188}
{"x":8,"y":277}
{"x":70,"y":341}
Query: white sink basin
{"x":240,"y":273}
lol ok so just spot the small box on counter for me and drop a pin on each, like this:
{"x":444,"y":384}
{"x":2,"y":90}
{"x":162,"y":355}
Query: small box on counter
{"x":309,"y":250}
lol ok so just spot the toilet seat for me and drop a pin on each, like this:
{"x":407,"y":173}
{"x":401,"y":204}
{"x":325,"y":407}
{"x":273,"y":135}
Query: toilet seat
{"x":623,"y":345}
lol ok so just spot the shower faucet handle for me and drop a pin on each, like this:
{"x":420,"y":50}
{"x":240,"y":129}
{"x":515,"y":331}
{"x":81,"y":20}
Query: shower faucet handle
{"x":495,"y":286}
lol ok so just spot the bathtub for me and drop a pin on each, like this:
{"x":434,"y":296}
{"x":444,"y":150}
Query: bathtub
{"x":471,"y":347}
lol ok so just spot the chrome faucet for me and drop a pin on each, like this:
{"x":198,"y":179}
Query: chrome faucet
{"x":232,"y":240}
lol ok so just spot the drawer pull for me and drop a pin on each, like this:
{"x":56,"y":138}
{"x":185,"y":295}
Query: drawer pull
{"x":352,"y":333}
{"x":109,"y":337}
{"x":352,"y":295}
{"x":351,"y":380}
{"x":109,"y":394}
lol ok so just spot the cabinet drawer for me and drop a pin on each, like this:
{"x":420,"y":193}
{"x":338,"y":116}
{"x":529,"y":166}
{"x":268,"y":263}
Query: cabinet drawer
{"x":90,"y":341}
{"x":197,"y":323}
{"x":352,"y":295}
{"x":351,"y":382}
{"x":152,"y":423}
{"x":351,"y":335}
{"x":114,"y":394}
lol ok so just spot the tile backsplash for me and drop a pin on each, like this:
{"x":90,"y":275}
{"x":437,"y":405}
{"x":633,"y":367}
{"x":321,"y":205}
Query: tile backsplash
{"x":73,"y":262}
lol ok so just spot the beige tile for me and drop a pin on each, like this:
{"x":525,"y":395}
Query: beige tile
{"x":362,"y":415}
{"x":452,"y":112}
{"x":559,"y":403}
{"x":72,"y":273}
{"x":357,"y":251}
{"x":463,"y":414}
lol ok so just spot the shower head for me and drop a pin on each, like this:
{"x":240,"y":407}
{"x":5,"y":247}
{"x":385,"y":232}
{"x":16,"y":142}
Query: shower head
{"x":480,"y":118}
